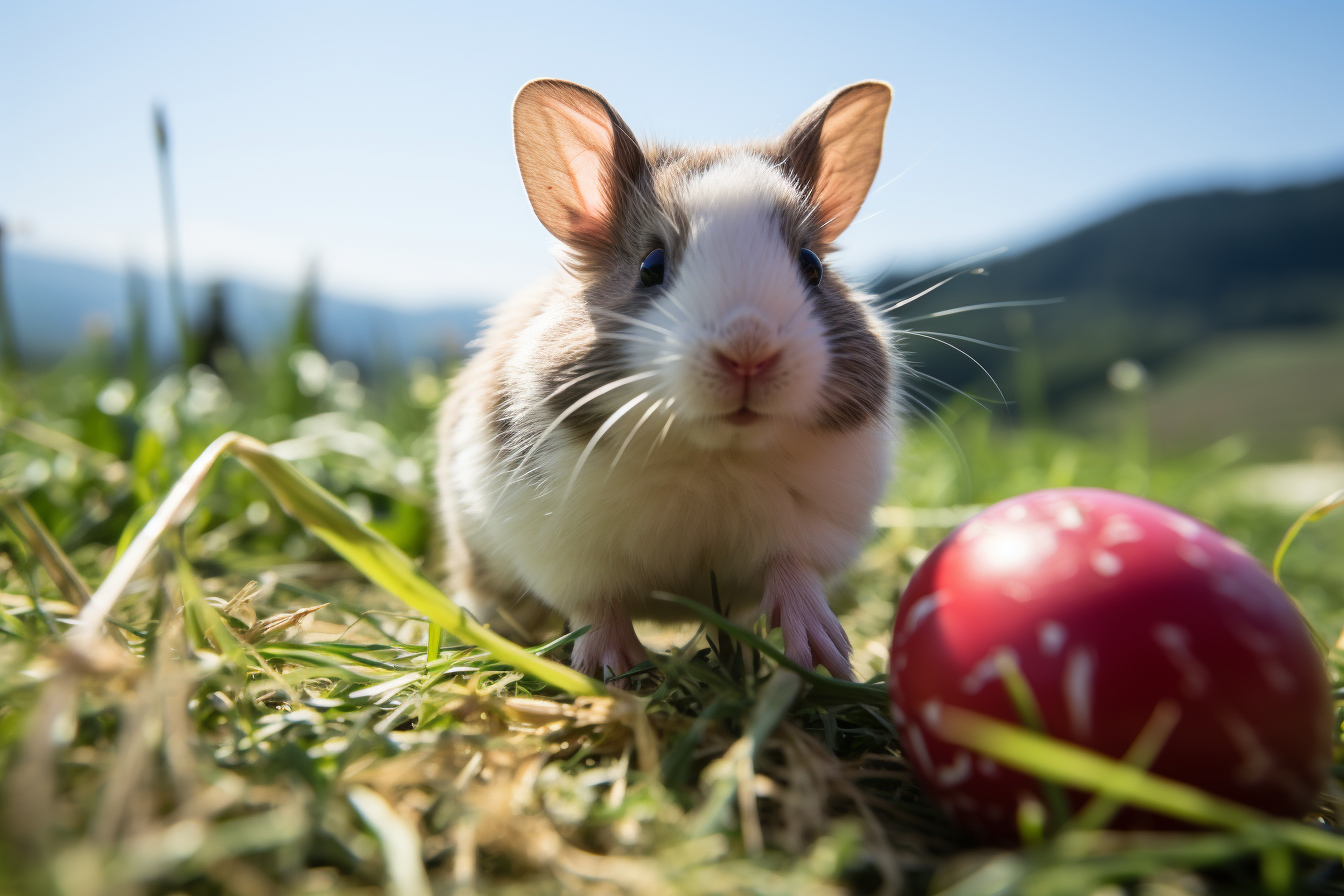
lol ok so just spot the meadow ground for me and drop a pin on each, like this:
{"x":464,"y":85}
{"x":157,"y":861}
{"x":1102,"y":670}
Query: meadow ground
{"x":264,"y":720}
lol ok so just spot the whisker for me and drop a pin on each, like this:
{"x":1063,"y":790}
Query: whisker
{"x":661,"y":308}
{"x":632,"y":337}
{"x":592,"y":443}
{"x":1006,"y":348}
{"x":975,"y":362}
{"x":978,"y":399}
{"x":560,"y":418}
{"x":625,"y":318}
{"x":672,"y":415}
{"x":1021,"y":303}
{"x":580,"y":378}
{"x":951,"y":438}
{"x":937,"y":382}
{"x":675,"y":301}
{"x":928,"y":152}
{"x":919,"y":295}
{"x":648,"y":413}
{"x":943,"y":270}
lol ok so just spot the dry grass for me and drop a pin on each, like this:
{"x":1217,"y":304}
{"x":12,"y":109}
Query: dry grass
{"x":259,"y":719}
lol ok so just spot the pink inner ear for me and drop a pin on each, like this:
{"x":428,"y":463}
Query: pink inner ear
{"x":587,"y":144}
{"x":586,"y":172}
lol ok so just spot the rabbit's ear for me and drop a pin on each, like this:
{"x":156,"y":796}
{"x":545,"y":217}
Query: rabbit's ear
{"x":834,"y":149}
{"x":578,"y":159}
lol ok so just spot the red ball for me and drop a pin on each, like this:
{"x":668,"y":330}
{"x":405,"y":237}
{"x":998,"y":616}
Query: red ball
{"x":1109,"y":604}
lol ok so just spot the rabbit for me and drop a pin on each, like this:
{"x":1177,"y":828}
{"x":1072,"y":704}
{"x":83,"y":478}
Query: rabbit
{"x":694,"y":391}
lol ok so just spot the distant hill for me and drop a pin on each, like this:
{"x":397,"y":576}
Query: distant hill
{"x":1150,"y":283}
{"x":57,"y":303}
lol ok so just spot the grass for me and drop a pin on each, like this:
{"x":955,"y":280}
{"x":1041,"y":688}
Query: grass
{"x":267,"y":710}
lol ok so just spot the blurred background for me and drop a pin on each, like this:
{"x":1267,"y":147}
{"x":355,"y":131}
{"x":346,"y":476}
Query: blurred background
{"x":288,"y":219}
{"x":1173,"y":172}
{"x":291,"y":218}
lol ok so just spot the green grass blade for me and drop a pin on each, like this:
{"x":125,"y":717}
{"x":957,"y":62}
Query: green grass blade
{"x":386,"y":566}
{"x":28,"y":526}
{"x":1311,"y":515}
{"x":822,"y":685}
{"x":1075,"y":766}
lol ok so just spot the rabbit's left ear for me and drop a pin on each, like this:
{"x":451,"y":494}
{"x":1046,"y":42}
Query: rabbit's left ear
{"x":834,"y":149}
{"x":578,"y":159}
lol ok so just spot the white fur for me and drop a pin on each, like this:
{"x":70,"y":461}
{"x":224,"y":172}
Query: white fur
{"x":737,"y":283}
{"x":699,"y":494}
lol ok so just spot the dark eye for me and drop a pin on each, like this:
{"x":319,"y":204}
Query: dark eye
{"x":811,"y":266}
{"x":651,"y":271}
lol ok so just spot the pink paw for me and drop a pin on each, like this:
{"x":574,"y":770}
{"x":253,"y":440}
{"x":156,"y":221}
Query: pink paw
{"x":795,"y":601}
{"x":609,"y":648}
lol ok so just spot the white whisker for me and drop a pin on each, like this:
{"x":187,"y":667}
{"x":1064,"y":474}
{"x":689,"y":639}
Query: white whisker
{"x":1023,"y":303}
{"x":672,"y":415}
{"x":581,"y":377}
{"x":625,"y":318}
{"x":1006,"y":348}
{"x":675,"y":301}
{"x":919,"y":295}
{"x":592,"y":443}
{"x":950,"y":437}
{"x":982,"y":367}
{"x":943,"y":270}
{"x":596,"y":393}
{"x":946,"y":385}
{"x":661,"y":307}
{"x":648,"y":413}
{"x":631,"y":337}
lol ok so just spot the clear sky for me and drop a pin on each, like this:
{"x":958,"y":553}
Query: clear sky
{"x":374,"y":137}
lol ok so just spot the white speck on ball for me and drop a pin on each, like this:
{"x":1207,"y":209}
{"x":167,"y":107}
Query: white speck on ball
{"x":1052,"y":636}
{"x":1193,"y":554}
{"x":1069,"y":517}
{"x":1078,"y":691}
{"x":919,"y":747}
{"x":986,"y":670}
{"x":957,"y":772}
{"x":1106,"y":564}
{"x":921,"y":611}
{"x":1181,"y":525}
{"x":932,"y":713}
{"x":1256,"y":762}
{"x":1278,"y":677}
{"x":1175,"y":643}
{"x":1120,"y":529}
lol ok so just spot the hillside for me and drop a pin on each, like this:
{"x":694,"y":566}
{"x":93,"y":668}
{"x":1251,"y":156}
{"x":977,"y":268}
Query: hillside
{"x":1150,"y":283}
{"x":1154,"y":283}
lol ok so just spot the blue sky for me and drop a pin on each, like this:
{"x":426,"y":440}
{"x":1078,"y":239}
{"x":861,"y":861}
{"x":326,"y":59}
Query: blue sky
{"x":374,"y":137}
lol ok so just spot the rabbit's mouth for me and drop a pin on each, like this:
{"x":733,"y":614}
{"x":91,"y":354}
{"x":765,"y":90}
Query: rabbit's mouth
{"x":743,"y":416}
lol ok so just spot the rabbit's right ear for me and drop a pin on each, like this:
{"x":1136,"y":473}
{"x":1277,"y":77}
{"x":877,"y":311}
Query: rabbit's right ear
{"x":577,"y":157}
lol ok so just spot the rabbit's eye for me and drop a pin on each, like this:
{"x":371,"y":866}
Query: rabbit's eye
{"x":651,"y":271}
{"x":810,"y":265}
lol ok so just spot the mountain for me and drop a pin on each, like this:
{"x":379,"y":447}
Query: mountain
{"x":1150,"y":283}
{"x":55,"y":304}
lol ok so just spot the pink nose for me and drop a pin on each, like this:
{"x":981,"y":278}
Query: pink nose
{"x":746,"y":365}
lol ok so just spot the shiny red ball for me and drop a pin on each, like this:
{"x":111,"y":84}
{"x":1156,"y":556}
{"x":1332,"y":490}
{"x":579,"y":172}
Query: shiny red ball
{"x":1109,"y":604}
